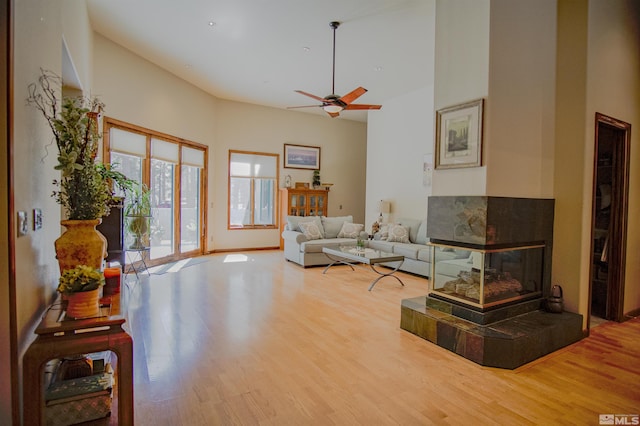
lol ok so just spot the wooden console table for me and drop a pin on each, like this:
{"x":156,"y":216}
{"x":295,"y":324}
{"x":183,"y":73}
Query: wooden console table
{"x":59,"y":337}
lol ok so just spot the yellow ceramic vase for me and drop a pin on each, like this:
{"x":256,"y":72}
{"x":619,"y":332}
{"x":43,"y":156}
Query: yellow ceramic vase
{"x":81,"y":244}
{"x":85,"y":304}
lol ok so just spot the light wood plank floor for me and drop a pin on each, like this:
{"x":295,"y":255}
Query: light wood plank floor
{"x":248,"y":338}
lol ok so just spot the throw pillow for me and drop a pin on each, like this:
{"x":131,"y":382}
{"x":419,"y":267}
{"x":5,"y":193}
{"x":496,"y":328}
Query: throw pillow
{"x":293,"y":223}
{"x":332,"y":225}
{"x":350,"y":230}
{"x":310,"y":230}
{"x":384,"y":232}
{"x":398,"y":234}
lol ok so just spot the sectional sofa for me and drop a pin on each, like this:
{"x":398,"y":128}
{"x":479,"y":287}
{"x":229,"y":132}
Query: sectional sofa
{"x":408,"y":237}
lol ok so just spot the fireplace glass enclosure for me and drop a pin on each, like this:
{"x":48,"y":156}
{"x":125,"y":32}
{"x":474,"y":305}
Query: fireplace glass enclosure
{"x":487,"y":278}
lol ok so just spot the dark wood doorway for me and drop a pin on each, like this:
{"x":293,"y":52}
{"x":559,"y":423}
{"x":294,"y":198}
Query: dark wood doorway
{"x":609,"y":217}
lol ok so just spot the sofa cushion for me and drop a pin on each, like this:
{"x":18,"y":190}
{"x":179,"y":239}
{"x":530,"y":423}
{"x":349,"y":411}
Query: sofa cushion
{"x":333,"y":225}
{"x":413,"y":225}
{"x":293,"y":222}
{"x":381,"y":245}
{"x":350,"y":230}
{"x":424,"y":254}
{"x":310,"y":230}
{"x":398,"y":233}
{"x":410,"y":251}
{"x":315,"y":246}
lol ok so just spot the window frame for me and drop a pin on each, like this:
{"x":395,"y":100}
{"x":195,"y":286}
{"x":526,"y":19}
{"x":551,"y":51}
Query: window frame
{"x":150,"y":134}
{"x":276,"y":193}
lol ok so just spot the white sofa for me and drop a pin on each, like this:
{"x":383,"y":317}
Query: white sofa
{"x":307,"y":252}
{"x":416,"y":252}
{"x":304,"y":251}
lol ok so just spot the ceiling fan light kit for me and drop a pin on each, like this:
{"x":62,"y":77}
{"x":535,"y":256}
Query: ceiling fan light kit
{"x":334,"y":104}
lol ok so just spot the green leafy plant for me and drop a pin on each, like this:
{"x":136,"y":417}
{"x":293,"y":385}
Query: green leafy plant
{"x":86,"y":187}
{"x":79,"y":279}
{"x":316,"y":178}
{"x":138,"y":212}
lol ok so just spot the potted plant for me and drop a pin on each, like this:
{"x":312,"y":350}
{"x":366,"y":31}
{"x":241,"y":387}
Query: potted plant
{"x":86,"y":187}
{"x":138,"y":212}
{"x":316,"y":179}
{"x":81,"y":287}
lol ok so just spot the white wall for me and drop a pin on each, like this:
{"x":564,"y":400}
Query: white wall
{"x":138,"y":92}
{"x":400,"y":135}
{"x":461,"y":75}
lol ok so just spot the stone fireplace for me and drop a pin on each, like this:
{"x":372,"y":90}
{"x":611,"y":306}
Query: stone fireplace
{"x":486,"y":300}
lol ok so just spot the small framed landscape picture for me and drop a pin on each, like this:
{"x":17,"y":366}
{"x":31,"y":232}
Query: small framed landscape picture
{"x":301,"y":157}
{"x":459,"y":135}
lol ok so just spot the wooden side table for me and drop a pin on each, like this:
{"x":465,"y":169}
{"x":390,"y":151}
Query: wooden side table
{"x":59,"y":337}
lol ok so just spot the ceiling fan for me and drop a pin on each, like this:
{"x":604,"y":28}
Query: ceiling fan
{"x":333,"y":103}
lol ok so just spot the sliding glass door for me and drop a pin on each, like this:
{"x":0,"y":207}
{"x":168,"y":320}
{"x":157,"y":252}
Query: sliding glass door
{"x":173,"y":171}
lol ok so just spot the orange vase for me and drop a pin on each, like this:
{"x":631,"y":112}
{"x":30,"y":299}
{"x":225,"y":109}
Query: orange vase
{"x":81,"y":244}
{"x":85,"y":304}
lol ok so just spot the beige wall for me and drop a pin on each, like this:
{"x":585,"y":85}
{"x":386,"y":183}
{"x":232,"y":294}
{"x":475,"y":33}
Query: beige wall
{"x":138,"y":92}
{"x":598,"y":71}
{"x":613,"y":89}
{"x":38,"y":42}
{"x":520,"y":106}
{"x":570,"y":244}
{"x":38,"y":35}
{"x":254,"y":128}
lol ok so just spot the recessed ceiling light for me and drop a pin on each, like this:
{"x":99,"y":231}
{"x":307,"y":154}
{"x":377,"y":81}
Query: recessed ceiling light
{"x":306,"y":49}
{"x":377,"y":69}
{"x":212,"y":24}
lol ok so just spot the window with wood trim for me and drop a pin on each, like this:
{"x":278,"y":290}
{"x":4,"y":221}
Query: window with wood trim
{"x":174,"y":170}
{"x":253,"y":178}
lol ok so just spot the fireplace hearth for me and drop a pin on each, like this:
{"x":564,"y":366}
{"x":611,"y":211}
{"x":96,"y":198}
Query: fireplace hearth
{"x":486,"y":301}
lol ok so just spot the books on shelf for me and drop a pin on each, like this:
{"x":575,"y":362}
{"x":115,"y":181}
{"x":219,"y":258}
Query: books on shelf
{"x":81,"y":399}
{"x":81,"y":387}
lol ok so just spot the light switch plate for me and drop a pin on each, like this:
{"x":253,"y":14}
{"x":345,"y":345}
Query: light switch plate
{"x":37,"y":219}
{"x":23,"y":223}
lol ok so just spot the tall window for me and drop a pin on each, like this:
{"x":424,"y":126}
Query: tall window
{"x":253,"y":181}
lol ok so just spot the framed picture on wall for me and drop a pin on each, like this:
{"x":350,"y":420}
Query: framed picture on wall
{"x":301,"y":157}
{"x":459,"y":135}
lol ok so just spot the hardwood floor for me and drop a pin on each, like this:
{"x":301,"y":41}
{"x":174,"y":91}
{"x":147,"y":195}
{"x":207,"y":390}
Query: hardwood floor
{"x":248,"y":338}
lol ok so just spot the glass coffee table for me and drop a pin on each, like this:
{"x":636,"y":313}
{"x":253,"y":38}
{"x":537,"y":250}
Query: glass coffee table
{"x":350,"y":255}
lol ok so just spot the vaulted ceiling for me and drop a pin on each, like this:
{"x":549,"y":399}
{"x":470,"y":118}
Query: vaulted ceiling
{"x":260,"y":51}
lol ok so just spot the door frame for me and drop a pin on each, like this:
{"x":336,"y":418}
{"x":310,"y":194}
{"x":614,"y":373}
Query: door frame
{"x":619,"y":215}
